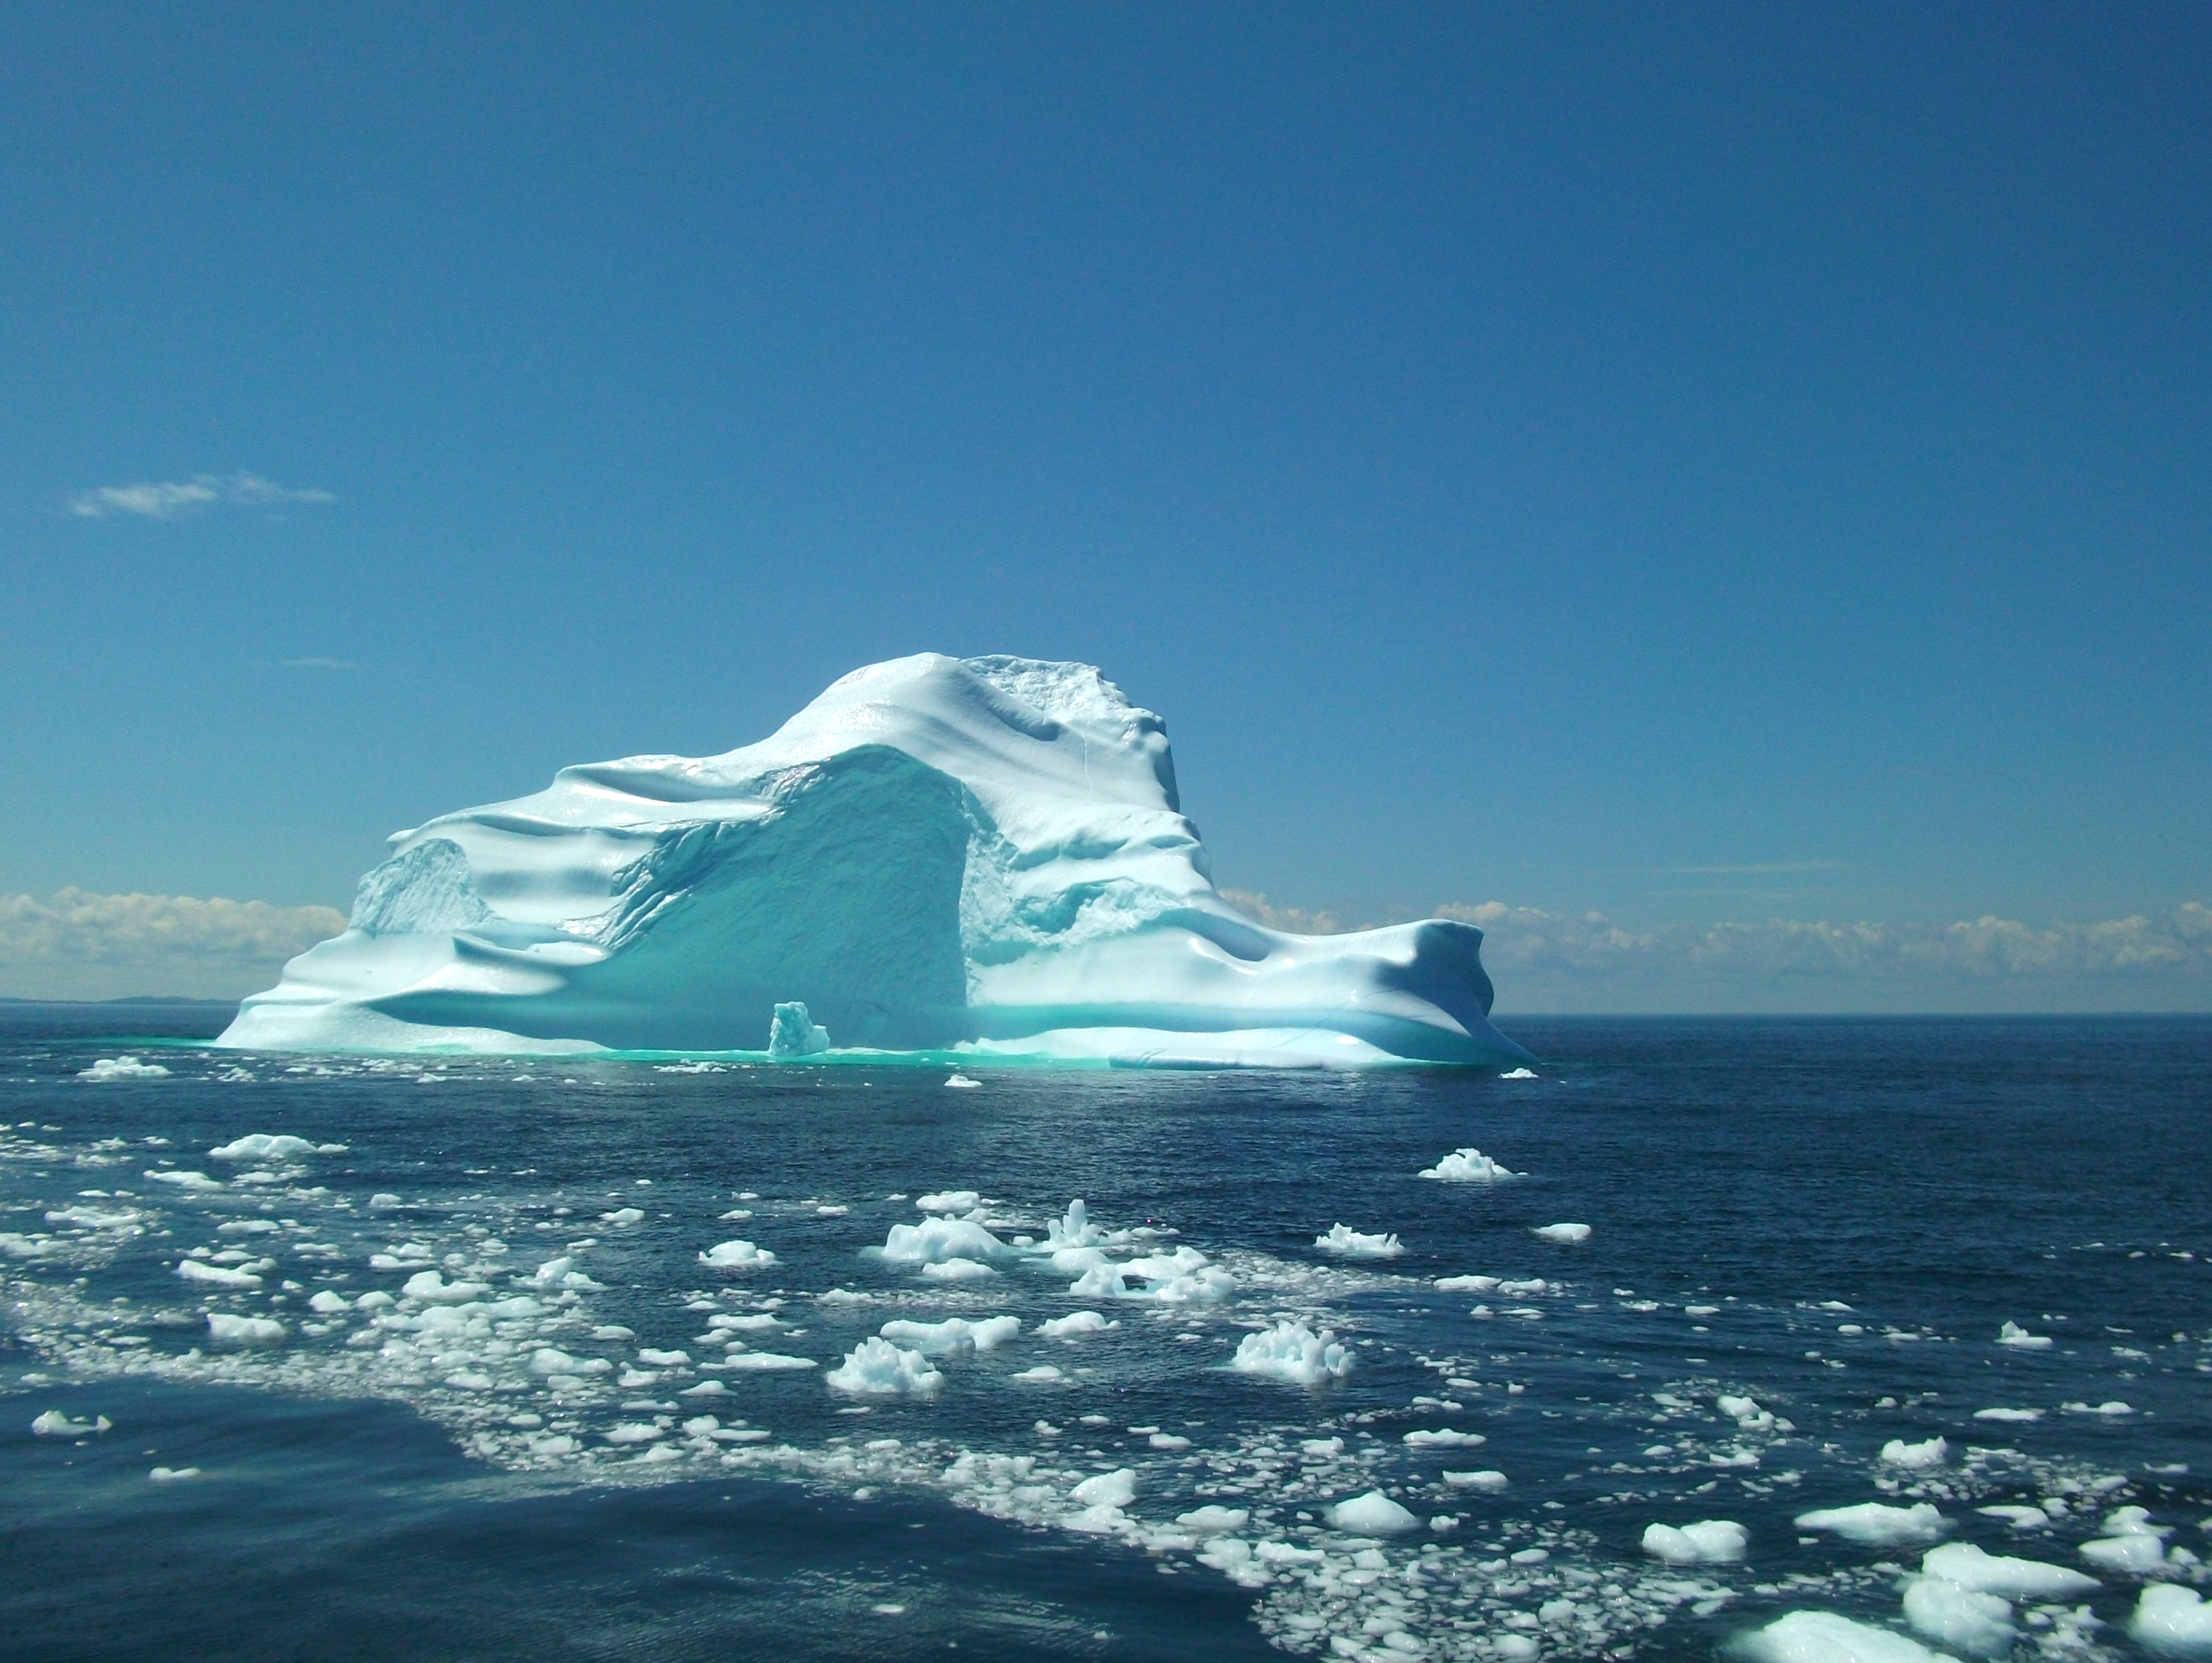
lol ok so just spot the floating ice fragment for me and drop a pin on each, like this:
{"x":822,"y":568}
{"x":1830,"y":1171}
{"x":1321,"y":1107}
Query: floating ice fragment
{"x":2020,"y":1517}
{"x":2113,"y":1407}
{"x":953,"y":1336}
{"x":763,"y":1363}
{"x":1445,"y":1438}
{"x":950,"y":1201}
{"x":226,"y":1330}
{"x":2013,"y":1334}
{"x":1709,"y":1542}
{"x":1347,"y":1243}
{"x":793,"y":1033}
{"x":1075,"y":1322}
{"x":1210,"y":1520}
{"x":2132,"y":1544}
{"x":936,"y":1239}
{"x":187,"y":1180}
{"x":217,"y":1275}
{"x":876,"y":1367}
{"x":1979,"y":1624}
{"x":1112,"y":1490}
{"x":1290,"y":1352}
{"x":958,"y":1269}
{"x":56,"y":1424}
{"x":264,"y":1146}
{"x":2021,"y":1414}
{"x":172,"y":1475}
{"x":623,"y":1217}
{"x":1466,"y":1284}
{"x":959,"y":1081}
{"x":1916,"y":1457}
{"x":2173,"y":1619}
{"x":1824,"y":1638}
{"x":122,"y":1068}
{"x":1043,"y":1374}
{"x":736,"y":1256}
{"x":1485,"y":1479}
{"x":432,"y":1288}
{"x":1372,"y":1513}
{"x":1518,"y":1074}
{"x":326,"y":1303}
{"x":1469,"y":1167}
{"x":1565,"y":1235}
{"x":1969,"y":1567}
{"x":1876,"y":1524}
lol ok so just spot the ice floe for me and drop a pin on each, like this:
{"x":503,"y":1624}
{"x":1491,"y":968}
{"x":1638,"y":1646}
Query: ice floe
{"x":1708,"y":1542}
{"x":123,"y":1067}
{"x":1291,"y":1351}
{"x":1347,"y":1243}
{"x":1877,"y":1524}
{"x":1567,"y":1235}
{"x":1469,"y":1165}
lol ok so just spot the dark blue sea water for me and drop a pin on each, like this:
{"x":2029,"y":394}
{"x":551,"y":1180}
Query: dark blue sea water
{"x":1805,"y":1240}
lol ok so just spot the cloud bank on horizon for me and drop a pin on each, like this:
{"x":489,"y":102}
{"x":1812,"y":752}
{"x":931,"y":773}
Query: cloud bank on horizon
{"x":78,"y":945}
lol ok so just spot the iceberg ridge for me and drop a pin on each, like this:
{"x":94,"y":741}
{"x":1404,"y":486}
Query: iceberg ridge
{"x":986,"y":856}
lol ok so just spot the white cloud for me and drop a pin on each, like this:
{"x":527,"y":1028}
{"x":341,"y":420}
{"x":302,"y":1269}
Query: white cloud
{"x":73,"y":945}
{"x":1585,"y":961}
{"x":175,"y":498}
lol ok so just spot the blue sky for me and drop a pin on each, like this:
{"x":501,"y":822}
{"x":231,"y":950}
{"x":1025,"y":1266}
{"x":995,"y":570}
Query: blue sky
{"x":1694,"y":464}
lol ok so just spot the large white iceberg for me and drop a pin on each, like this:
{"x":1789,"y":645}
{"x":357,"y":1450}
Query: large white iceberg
{"x":983,"y":855}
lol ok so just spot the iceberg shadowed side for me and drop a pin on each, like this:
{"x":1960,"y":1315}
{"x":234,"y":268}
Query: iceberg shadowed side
{"x":985,"y":855}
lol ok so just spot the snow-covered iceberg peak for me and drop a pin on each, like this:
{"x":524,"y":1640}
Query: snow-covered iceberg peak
{"x":986,"y":853}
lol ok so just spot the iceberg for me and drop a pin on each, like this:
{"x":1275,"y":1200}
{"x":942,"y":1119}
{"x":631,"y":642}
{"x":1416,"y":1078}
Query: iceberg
{"x":982,"y":856}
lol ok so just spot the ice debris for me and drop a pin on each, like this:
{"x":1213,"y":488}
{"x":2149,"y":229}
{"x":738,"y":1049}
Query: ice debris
{"x":123,"y":1067}
{"x":1291,"y":1351}
{"x":1876,"y":1524}
{"x":877,"y":1368}
{"x":1709,"y":1542}
{"x":1567,"y":1235}
{"x":2173,"y":1619}
{"x":792,"y":1032}
{"x":1372,"y":1513}
{"x":55,"y":1423}
{"x":1347,"y":1243}
{"x":1469,"y":1167}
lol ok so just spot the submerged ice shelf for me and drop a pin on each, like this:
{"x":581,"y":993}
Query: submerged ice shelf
{"x":982,"y":855}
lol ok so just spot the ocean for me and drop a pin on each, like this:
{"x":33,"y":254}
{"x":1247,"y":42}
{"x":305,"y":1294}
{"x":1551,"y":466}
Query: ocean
{"x":436,"y":1358}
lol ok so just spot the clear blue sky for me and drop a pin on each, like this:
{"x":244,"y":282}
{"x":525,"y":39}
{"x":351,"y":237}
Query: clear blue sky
{"x":1693,"y":462}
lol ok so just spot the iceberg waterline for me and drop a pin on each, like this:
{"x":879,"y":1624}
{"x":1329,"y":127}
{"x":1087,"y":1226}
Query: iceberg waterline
{"x":987,"y":856}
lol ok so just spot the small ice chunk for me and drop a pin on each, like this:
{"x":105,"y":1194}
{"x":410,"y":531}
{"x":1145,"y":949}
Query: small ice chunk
{"x":1372,"y":1513}
{"x":1824,"y":1638}
{"x":938,"y":1239}
{"x":736,"y":1256}
{"x":1074,"y":1324}
{"x":1518,"y":1074}
{"x":657,"y":1359}
{"x":1485,"y":1479}
{"x":1210,"y":1520}
{"x":325,"y":1303}
{"x":122,"y":1068}
{"x":2111,"y":1407}
{"x":2132,"y":1544}
{"x":623,"y":1217}
{"x":263,"y":1146}
{"x":877,"y":1368}
{"x":55,"y":1423}
{"x":950,"y":1201}
{"x":1466,"y":1284}
{"x":432,"y":1289}
{"x":1916,"y":1457}
{"x":2022,"y":1415}
{"x":953,"y":1336}
{"x":2173,"y":1619}
{"x":1043,"y":1374}
{"x":1876,"y":1524}
{"x":1290,"y":1352}
{"x":1709,"y":1542}
{"x":1347,"y":1243}
{"x":1116,"y":1488}
{"x":226,"y":1330}
{"x":1567,"y":1235}
{"x":2014,"y":1578}
{"x":217,"y":1275}
{"x":2013,"y":1334}
{"x":958,"y":1269}
{"x":959,"y":1081}
{"x":187,"y":1180}
{"x":2020,"y":1517}
{"x":1469,"y":1167}
{"x":793,"y":1033}
{"x":1963,"y":1618}
{"x":174,"y":1475}
{"x":764,"y":1363}
{"x":1445,"y":1438}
